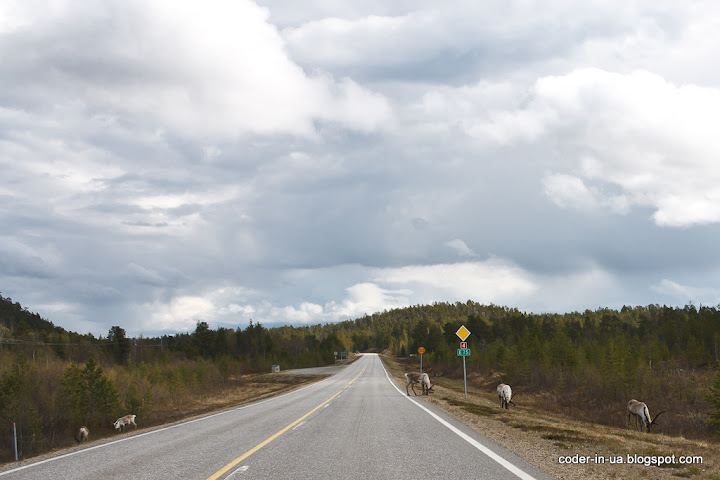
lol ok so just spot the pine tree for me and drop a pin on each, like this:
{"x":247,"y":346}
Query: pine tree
{"x":88,"y":395}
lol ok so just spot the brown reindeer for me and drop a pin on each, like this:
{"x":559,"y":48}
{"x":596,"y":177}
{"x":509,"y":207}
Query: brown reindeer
{"x":82,"y":434}
{"x":126,"y":420}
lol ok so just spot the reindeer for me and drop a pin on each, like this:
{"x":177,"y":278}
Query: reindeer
{"x":641,"y":412}
{"x":126,"y":420}
{"x":82,"y":434}
{"x":426,"y":385}
{"x":505,"y":395}
{"x":411,"y":378}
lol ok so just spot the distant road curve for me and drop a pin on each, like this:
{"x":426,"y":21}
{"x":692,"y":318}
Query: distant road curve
{"x":355,"y":424}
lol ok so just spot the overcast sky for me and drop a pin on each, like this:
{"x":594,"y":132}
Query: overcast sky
{"x":169,"y":162}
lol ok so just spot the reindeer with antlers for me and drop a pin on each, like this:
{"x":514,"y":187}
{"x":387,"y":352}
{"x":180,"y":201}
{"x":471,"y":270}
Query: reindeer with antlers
{"x":422,"y":378}
{"x":641,"y":412}
{"x":505,"y":396}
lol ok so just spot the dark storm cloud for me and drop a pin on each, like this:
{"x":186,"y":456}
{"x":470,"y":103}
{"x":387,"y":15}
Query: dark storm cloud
{"x":156,"y":171}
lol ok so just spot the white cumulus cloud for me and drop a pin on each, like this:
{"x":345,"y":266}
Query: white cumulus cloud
{"x":216,"y":70}
{"x":653,"y":140}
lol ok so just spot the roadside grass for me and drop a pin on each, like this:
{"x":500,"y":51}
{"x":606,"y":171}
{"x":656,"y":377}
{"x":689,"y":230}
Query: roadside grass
{"x":542,"y":436}
{"x":243,"y":390}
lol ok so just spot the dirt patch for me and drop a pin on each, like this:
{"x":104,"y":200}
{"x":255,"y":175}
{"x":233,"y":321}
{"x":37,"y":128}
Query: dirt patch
{"x":542,"y":437}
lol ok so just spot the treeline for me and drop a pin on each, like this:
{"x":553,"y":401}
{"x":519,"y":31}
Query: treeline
{"x":256,"y":346}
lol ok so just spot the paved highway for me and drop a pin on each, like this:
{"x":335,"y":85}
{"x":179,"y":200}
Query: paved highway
{"x":355,"y":424}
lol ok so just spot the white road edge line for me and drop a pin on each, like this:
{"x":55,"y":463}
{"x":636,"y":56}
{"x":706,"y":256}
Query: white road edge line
{"x":239,"y":469}
{"x":161,"y":429}
{"x":504,"y":463}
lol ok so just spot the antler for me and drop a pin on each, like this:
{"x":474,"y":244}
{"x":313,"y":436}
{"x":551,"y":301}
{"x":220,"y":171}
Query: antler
{"x":656,"y":417}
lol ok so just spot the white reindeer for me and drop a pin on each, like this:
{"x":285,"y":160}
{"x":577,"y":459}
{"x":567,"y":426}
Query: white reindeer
{"x":126,"y":420}
{"x":641,"y":412}
{"x":411,"y":378}
{"x":505,"y":395}
{"x":82,"y":434}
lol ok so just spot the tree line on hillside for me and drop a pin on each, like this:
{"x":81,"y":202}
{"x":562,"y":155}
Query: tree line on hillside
{"x":51,"y":379}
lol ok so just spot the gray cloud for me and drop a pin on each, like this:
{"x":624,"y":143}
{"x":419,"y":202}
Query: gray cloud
{"x":157,"y":170}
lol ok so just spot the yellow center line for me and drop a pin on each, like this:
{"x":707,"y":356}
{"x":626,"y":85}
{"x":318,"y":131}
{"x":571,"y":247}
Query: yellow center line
{"x":245,"y":455}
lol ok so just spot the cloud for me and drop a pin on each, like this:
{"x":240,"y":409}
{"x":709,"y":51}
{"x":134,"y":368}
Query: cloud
{"x":637,"y":132}
{"x":494,"y":280}
{"x":315,"y":161}
{"x":460,"y":247}
{"x":588,"y":286}
{"x":684,"y":293}
{"x":458,"y":42}
{"x":214,"y":71}
{"x":180,"y":314}
{"x":306,"y":313}
{"x":367,"y":298}
{"x":568,"y":191}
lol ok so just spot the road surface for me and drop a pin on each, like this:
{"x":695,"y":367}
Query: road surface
{"x":355,"y":424}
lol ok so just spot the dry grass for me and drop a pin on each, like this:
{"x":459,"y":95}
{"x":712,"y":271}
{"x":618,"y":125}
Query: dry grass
{"x":541,"y":437}
{"x":243,"y":390}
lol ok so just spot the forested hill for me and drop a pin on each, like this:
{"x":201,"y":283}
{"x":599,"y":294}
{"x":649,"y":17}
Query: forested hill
{"x":687,"y":337}
{"x":18,"y":319}
{"x":501,"y":337}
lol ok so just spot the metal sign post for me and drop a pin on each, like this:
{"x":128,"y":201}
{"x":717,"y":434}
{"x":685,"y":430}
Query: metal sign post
{"x":421,"y":350}
{"x":463,"y":351}
{"x":15,"y":436}
{"x":465,"y":377}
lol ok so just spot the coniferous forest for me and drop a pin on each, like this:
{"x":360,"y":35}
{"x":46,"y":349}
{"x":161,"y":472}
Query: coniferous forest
{"x":585,"y":365}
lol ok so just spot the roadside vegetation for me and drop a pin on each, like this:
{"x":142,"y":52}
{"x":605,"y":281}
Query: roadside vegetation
{"x":586,"y":365}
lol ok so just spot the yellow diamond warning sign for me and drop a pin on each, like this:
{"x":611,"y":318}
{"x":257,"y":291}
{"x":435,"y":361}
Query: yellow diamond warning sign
{"x":463,"y":333}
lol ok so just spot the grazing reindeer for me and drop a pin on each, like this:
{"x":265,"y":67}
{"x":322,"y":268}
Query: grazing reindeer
{"x":126,"y":420}
{"x":505,"y":395}
{"x":82,"y":434}
{"x":426,"y":385}
{"x":411,"y":378}
{"x":641,"y":412}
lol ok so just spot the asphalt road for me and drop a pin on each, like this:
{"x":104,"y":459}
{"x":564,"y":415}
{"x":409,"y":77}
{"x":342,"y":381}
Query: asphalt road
{"x":355,"y":424}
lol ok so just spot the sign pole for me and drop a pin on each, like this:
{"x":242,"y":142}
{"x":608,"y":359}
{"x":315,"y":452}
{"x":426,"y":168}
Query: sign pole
{"x":421,"y":363}
{"x":463,"y":351}
{"x":465,"y":377}
{"x":15,"y":436}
